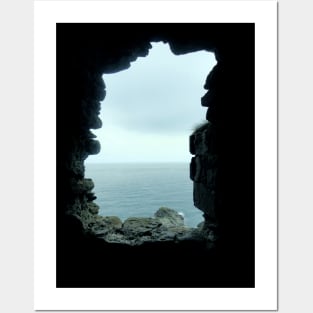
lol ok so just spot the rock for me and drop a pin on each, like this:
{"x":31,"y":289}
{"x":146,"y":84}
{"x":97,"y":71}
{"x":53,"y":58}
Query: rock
{"x":204,"y":199}
{"x":169,"y":217}
{"x":105,"y":225}
{"x":200,"y":225}
{"x":95,"y":122}
{"x":93,"y":208}
{"x":92,"y":146}
{"x":90,"y":196}
{"x":109,"y":221}
{"x":77,"y":167}
{"x":90,"y":135}
{"x":82,"y":185}
{"x":140,"y":226}
{"x":167,"y":225}
{"x":210,"y":231}
{"x":88,"y":184}
{"x":190,"y":234}
{"x":113,"y":221}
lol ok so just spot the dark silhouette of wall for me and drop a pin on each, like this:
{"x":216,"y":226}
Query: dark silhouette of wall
{"x":84,"y":53}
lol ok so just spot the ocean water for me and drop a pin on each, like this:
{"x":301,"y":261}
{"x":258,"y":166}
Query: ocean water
{"x":140,"y":189}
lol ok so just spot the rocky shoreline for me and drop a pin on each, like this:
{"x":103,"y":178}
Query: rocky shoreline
{"x":166,"y":225}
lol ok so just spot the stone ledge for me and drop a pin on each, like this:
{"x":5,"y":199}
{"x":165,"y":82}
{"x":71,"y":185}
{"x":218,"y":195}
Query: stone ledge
{"x":167,"y":225}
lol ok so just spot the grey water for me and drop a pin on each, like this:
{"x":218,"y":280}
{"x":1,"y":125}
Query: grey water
{"x":140,"y":189}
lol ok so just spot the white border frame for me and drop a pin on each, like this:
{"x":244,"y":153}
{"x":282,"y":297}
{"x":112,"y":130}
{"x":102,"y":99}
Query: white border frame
{"x":264,"y":295}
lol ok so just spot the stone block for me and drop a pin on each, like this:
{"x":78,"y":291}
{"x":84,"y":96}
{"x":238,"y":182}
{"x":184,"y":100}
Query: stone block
{"x":82,"y":185}
{"x":192,"y":168}
{"x":92,"y":146}
{"x":169,"y":217}
{"x":93,"y":208}
{"x":140,"y":225}
{"x":204,"y":199}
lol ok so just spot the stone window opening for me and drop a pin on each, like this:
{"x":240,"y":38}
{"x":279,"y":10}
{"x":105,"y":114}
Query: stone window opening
{"x":223,"y":181}
{"x":167,"y":222}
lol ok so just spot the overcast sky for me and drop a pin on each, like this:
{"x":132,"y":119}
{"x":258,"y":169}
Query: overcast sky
{"x":151,"y":108}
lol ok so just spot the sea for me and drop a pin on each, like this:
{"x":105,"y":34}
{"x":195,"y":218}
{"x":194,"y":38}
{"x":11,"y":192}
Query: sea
{"x":140,"y":189}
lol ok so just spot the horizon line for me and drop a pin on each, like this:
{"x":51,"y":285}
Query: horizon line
{"x":135,"y":162}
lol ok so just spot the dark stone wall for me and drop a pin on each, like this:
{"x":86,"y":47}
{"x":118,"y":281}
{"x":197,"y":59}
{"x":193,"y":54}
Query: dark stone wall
{"x":84,"y":53}
{"x":203,"y":171}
